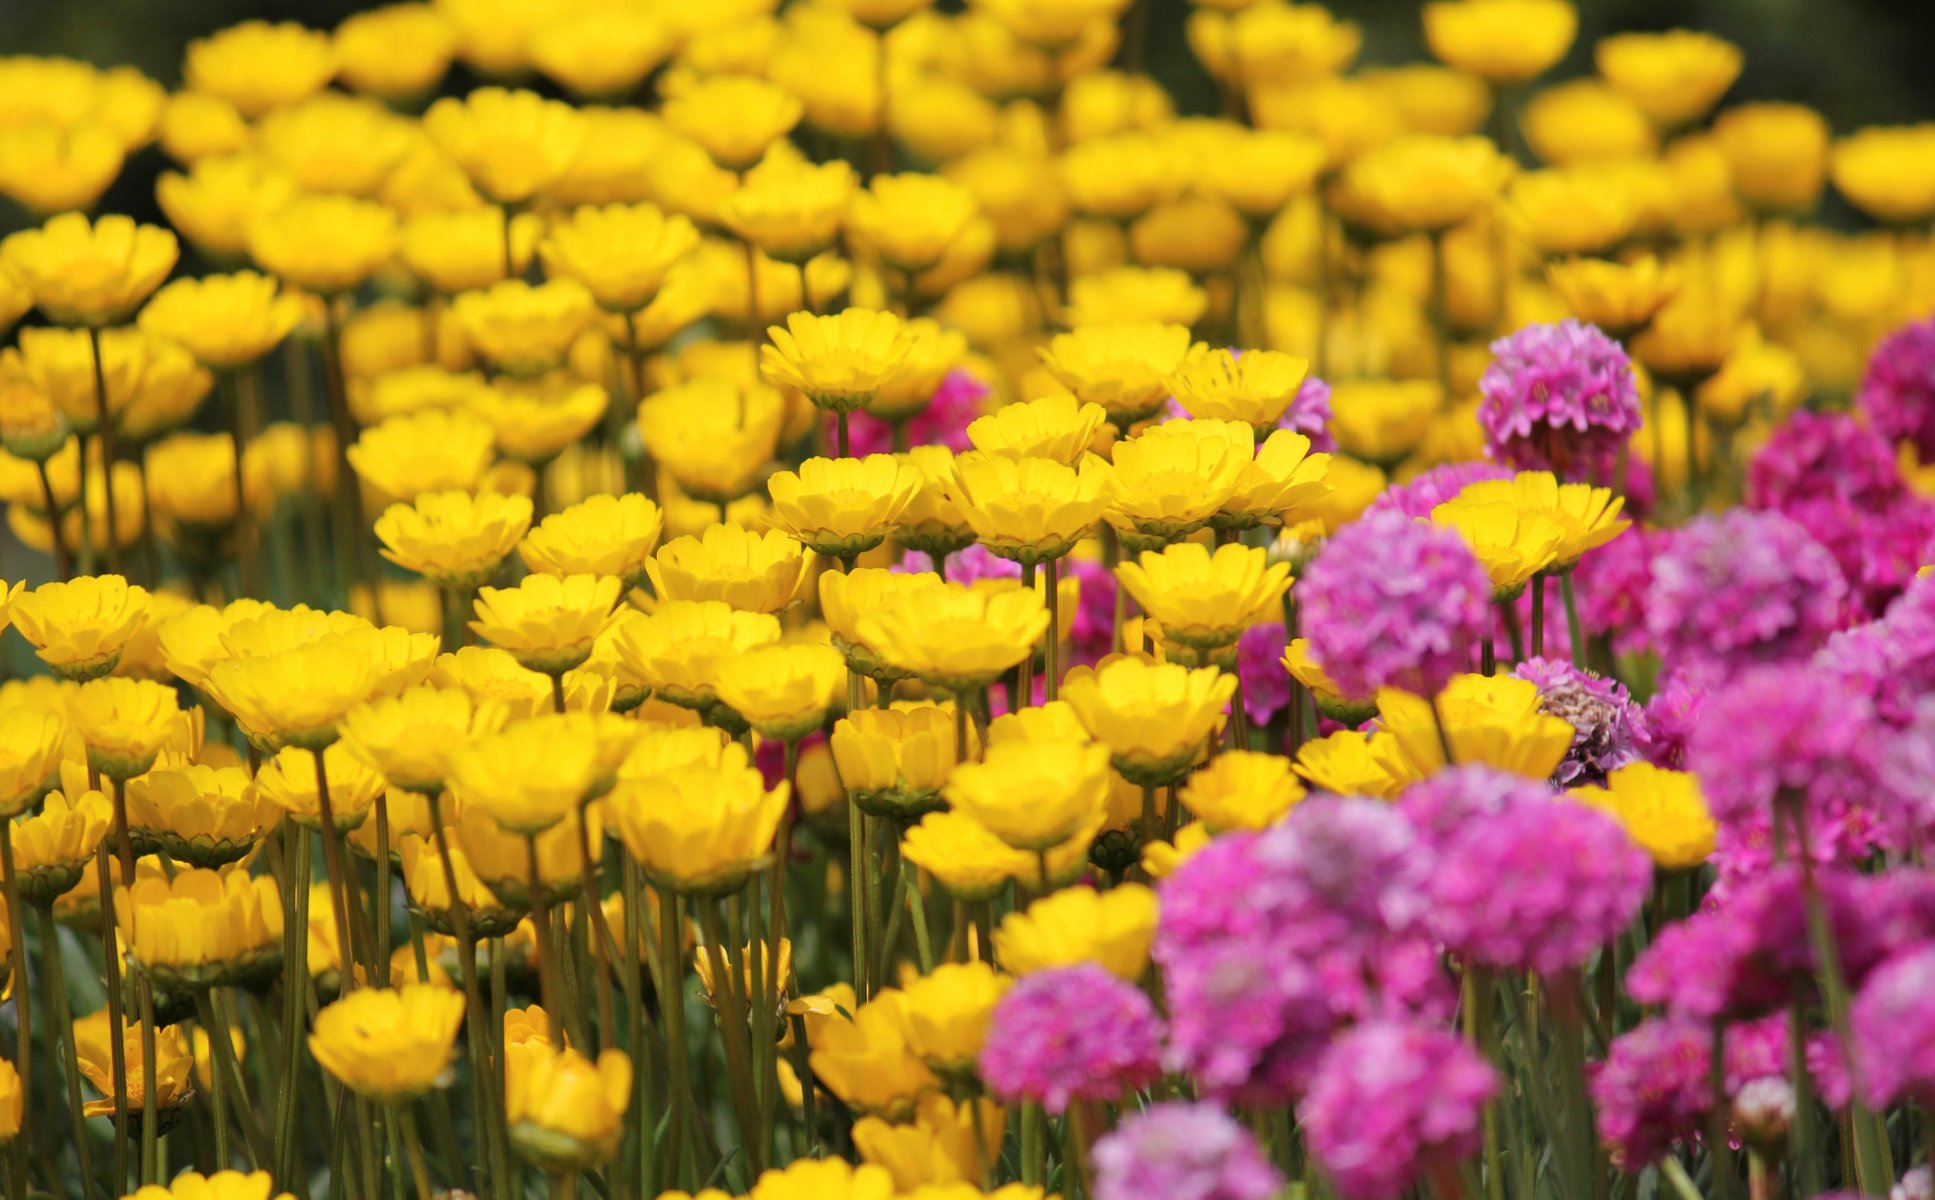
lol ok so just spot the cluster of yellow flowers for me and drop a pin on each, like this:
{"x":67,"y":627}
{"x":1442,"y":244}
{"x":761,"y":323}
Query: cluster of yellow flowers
{"x":795,"y":509}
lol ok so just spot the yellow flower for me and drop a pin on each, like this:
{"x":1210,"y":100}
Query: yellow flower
{"x":410,"y":738}
{"x":734,"y":118}
{"x":1383,"y":421}
{"x":429,"y":890}
{"x":842,"y":507}
{"x":463,"y":249}
{"x":525,"y":329}
{"x":488,"y":673}
{"x":948,"y":1013}
{"x":1119,"y":295}
{"x":208,"y":816}
{"x":1124,"y":367}
{"x":621,"y":253}
{"x":195,"y":127}
{"x":1206,"y":600}
{"x":1029,"y":509}
{"x":202,"y":928}
{"x":894,"y":761}
{"x":1674,"y":77}
{"x":534,"y":420}
{"x":547,"y":622}
{"x":220,"y":199}
{"x":1759,"y":378}
{"x":1493,"y":720}
{"x":1255,"y":388}
{"x":678,"y":648}
{"x":502,"y":859}
{"x":791,"y":210}
{"x":699,"y":829}
{"x":945,"y":1144}
{"x":53,"y":847}
{"x":1167,"y":482}
{"x":174,"y":1067}
{"x":911,"y":220}
{"x":1420,"y":183}
{"x":824,"y":1179}
{"x":389,"y":1044}
{"x":223,"y":320}
{"x":259,"y":67}
{"x":1584,"y":121}
{"x":289,"y":781}
{"x":326,"y":244}
{"x":1331,"y":702}
{"x":296,"y":696}
{"x":784,"y":692}
{"x":1511,"y":543}
{"x":1619,"y":297}
{"x":713,"y":436}
{"x":1663,"y":811}
{"x":964,"y":856}
{"x":1161,"y":859}
{"x":1690,"y":337}
{"x":1032,"y":795}
{"x":1283,"y":484}
{"x":1055,"y":427}
{"x":512,"y":144}
{"x":600,"y":535}
{"x":601,"y":52}
{"x":396,"y":52}
{"x":337,"y":143}
{"x":841,"y":361}
{"x":530,"y":774}
{"x":222,"y":1185}
{"x":1884,"y":172}
{"x":752,"y":572}
{"x":125,"y":723}
{"x":955,"y":638}
{"x":865,"y":1061}
{"x":565,"y":1113}
{"x":49,"y":170}
{"x":1573,"y":210}
{"x":845,"y":596}
{"x":453,"y":539}
{"x":935,"y":352}
{"x":1113,"y":929}
{"x":83,"y":273}
{"x":1241,"y":790}
{"x":1588,"y":517}
{"x":1154,"y":717}
{"x":79,"y":628}
{"x":13,"y":1101}
{"x":1776,"y":152}
{"x":1503,"y":41}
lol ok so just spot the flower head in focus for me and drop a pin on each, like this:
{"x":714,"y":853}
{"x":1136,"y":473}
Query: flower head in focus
{"x":453,"y":539}
{"x":547,"y":622}
{"x":839,"y":361}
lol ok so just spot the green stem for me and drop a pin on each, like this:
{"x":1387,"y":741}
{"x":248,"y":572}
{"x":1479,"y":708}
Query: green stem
{"x":1538,"y":616}
{"x":1573,"y":631}
{"x":671,"y":1003}
{"x":53,"y":976}
{"x":917,"y":913}
{"x":547,"y":952}
{"x":732,"y":1028}
{"x":1719,"y":1150}
{"x":295,"y":979}
{"x":413,"y":1148}
{"x":218,"y":1086}
{"x":23,"y":989}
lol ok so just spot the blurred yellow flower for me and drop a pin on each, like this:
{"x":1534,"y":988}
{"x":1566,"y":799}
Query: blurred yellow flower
{"x":90,"y":273}
{"x":733,"y":117}
{"x":395,"y":52}
{"x":1663,"y":811}
{"x":1885,"y":172}
{"x":512,"y":144}
{"x":1124,"y":367}
{"x":865,"y":1060}
{"x":1777,"y":154}
{"x":911,"y":219}
{"x":530,"y":774}
{"x":1420,"y":183}
{"x":326,"y":244}
{"x":174,"y":1066}
{"x":1502,"y":41}
{"x":522,"y":328}
{"x":428,"y":451}
{"x":259,"y":67}
{"x":1494,"y":720}
{"x":1583,"y":121}
{"x":565,"y":1112}
{"x":699,"y":829}
{"x":464,"y":249}
{"x":1113,"y":929}
{"x":1674,"y":77}
{"x":620,"y":253}
{"x":388,"y":1044}
{"x":1619,"y":297}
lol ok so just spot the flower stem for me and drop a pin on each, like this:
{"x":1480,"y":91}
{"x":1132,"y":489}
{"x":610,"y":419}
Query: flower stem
{"x":53,"y":976}
{"x":1538,"y":616}
{"x":671,"y":1004}
{"x":340,"y":881}
{"x":295,"y":977}
{"x":413,"y":1149}
{"x":23,"y":991}
{"x":547,"y":952}
{"x":62,"y":563}
{"x":218,"y":1085}
{"x":1051,"y":667}
{"x":112,"y":540}
{"x":732,"y":1027}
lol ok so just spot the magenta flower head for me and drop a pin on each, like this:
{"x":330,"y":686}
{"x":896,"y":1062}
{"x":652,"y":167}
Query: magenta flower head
{"x":1180,"y":1151}
{"x":1608,"y":727}
{"x":1824,"y":456}
{"x":1612,"y":582}
{"x":1072,"y":1033}
{"x":943,"y":422}
{"x":1741,"y":589}
{"x":1894,"y":1030}
{"x":1653,"y":1090}
{"x":1416,"y":497}
{"x":1309,"y":414}
{"x":1392,"y":602}
{"x":1394,"y":1101}
{"x":1440,"y":805}
{"x":1795,"y":736}
{"x":1559,"y":398}
{"x":1897,"y":394}
{"x":1575,"y":881}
